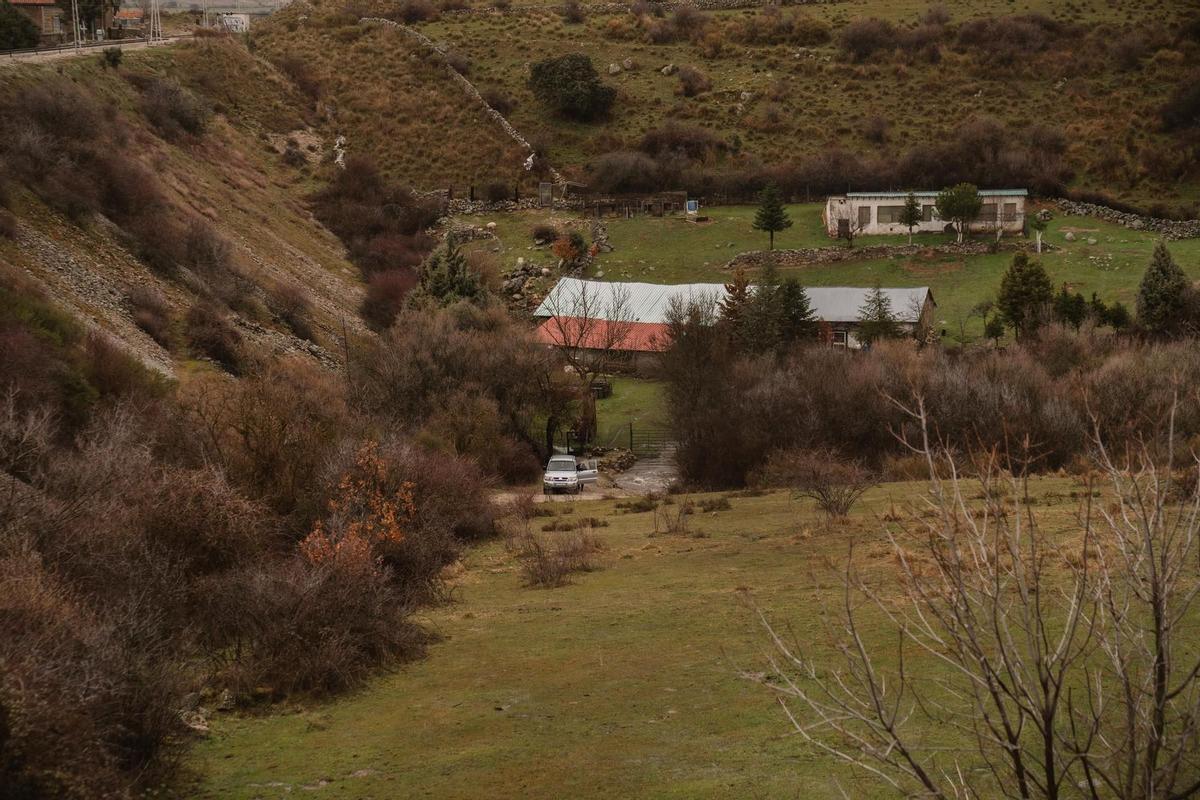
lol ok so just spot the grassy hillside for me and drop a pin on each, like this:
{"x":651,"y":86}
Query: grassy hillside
{"x":624,"y":684}
{"x":231,"y":177}
{"x":392,"y":100}
{"x":774,"y":102}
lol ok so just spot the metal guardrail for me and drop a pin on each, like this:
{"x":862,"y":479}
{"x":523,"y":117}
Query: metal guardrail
{"x":63,"y":48}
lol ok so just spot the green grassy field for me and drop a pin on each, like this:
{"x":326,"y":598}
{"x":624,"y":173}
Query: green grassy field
{"x":672,"y":250}
{"x":623,"y":684}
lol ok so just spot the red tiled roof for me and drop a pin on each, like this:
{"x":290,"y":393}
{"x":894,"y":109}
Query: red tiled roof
{"x":129,"y":13}
{"x":641,"y":337}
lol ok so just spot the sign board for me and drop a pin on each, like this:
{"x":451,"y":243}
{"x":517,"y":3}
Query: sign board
{"x":693,"y":206}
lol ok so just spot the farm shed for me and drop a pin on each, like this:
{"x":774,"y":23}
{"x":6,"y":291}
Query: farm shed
{"x":631,"y":318}
{"x":869,"y":213}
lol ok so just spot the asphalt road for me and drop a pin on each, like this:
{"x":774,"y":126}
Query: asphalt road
{"x":92,"y":48}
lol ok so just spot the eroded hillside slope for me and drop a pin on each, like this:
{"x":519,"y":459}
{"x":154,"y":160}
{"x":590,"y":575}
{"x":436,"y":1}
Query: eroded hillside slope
{"x":132,"y":221}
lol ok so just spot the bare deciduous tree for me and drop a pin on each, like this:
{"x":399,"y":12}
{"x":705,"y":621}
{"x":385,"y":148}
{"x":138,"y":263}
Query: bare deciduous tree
{"x":1062,"y":661}
{"x":590,"y":329}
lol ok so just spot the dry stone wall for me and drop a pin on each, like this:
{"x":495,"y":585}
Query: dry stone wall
{"x":467,"y":87}
{"x":1167,"y":228}
{"x":830,"y":255}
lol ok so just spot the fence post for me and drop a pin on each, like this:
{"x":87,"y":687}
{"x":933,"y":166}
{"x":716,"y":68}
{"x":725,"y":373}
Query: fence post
{"x":631,"y":436}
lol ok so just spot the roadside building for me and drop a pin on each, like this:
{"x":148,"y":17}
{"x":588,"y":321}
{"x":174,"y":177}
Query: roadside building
{"x":871,"y":213}
{"x":128,"y":22}
{"x":48,"y":18}
{"x":631,"y":319}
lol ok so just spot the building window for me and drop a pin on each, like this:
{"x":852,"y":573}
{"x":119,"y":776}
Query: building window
{"x":839,"y":338}
{"x":890,"y":214}
{"x":987,"y":212}
{"x":1010,"y":212}
{"x":864,"y":216}
{"x":927,"y":213}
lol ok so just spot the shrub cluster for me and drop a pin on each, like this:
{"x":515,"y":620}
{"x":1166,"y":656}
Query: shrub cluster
{"x":173,"y":110}
{"x":73,"y":154}
{"x":466,"y":381}
{"x":383,"y":227}
{"x":569,"y":85}
{"x":731,"y":414}
{"x":284,"y":546}
{"x":982,"y":150}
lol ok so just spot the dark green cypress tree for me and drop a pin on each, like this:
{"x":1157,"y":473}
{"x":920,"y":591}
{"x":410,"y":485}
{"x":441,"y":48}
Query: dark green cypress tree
{"x":761,"y":320}
{"x":797,"y":319}
{"x":1070,"y":308}
{"x":1162,"y":296}
{"x":876,"y":319}
{"x":1025,"y":292}
{"x":771,"y":215}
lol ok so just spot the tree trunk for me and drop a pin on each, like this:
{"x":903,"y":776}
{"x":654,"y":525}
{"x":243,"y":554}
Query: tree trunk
{"x":1038,"y":234}
{"x":771,"y":239}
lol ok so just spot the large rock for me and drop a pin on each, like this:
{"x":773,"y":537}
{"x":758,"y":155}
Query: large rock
{"x":614,"y":69}
{"x":1070,"y":236}
{"x":628,"y":64}
{"x":669,"y":69}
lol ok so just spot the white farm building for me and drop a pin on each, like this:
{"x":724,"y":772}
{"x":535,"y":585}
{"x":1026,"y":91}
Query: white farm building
{"x":870,"y":213}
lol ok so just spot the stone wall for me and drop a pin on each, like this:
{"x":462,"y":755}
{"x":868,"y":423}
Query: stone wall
{"x":618,"y":8}
{"x":1167,"y":228}
{"x":833,"y":254}
{"x":467,"y":87}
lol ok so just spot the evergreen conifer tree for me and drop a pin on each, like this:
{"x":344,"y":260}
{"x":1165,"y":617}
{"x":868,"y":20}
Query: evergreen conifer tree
{"x":1162,"y":296}
{"x":797,"y":320}
{"x":1025,"y":291}
{"x":876,"y":320}
{"x":771,"y":216}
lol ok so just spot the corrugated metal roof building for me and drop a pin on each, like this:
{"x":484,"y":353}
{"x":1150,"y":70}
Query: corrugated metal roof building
{"x":643,"y":307}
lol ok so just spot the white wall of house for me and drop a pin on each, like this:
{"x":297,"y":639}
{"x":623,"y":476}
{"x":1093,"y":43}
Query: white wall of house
{"x":878,"y":214}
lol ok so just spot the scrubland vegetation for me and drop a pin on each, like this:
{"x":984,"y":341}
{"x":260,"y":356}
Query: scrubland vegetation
{"x":1083,"y":100}
{"x":281,"y":506}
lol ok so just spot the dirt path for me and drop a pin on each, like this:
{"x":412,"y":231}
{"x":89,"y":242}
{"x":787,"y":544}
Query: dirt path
{"x":647,"y":476}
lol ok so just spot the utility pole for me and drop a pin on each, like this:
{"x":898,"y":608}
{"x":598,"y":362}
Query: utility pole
{"x":75,"y":23}
{"x":156,"y":34}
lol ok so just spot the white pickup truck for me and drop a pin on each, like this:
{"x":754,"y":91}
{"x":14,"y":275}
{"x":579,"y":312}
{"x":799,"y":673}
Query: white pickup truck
{"x":568,"y":474}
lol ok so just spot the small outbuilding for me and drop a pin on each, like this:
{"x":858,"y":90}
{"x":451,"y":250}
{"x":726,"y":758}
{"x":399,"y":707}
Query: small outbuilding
{"x":870,"y":213}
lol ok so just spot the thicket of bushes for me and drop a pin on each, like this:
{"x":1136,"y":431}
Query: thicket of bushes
{"x":383,"y":227}
{"x":982,"y":150}
{"x":730,"y":411}
{"x":262,"y":536}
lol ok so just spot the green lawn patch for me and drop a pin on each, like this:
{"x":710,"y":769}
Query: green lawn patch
{"x":634,"y":401}
{"x":624,"y":683}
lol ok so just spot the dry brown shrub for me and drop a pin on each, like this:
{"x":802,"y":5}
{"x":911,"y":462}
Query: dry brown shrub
{"x":151,"y":313}
{"x":549,"y":561}
{"x":822,"y":475}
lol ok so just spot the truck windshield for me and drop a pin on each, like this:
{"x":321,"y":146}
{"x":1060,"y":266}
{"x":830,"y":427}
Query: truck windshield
{"x":560,"y":464}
